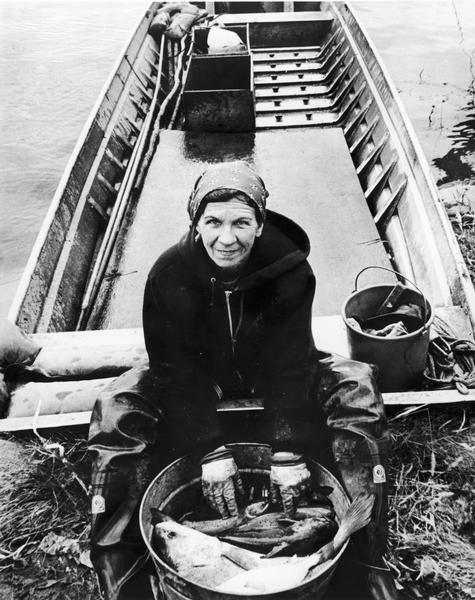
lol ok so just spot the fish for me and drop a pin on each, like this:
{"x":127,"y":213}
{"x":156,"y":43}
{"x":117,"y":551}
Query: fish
{"x":258,"y":515}
{"x":217,"y":526}
{"x":276,"y":577}
{"x":200,"y":558}
{"x":279,"y":534}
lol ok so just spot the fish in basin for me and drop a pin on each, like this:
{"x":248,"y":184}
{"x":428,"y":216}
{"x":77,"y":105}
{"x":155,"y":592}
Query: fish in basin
{"x":196,"y":556}
{"x":278,"y":534}
{"x":271,"y":577}
{"x":264,"y":530}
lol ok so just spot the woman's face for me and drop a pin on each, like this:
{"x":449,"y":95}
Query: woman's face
{"x":228,"y":230}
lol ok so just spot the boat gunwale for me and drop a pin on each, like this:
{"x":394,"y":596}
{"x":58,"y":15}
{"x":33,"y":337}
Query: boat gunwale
{"x":411,"y":145}
{"x":55,"y":204}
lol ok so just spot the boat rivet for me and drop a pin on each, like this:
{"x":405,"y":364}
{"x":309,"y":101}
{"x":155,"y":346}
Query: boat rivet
{"x":278,"y":118}
{"x":277,"y":102}
{"x":272,"y":66}
{"x":273,"y":77}
{"x":303,"y":88}
{"x":305,"y":101}
{"x":309,"y":116}
{"x":300,"y":75}
{"x":298,"y":64}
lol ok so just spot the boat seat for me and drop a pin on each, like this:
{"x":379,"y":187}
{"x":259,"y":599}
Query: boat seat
{"x":311,"y":179}
{"x":282,"y":29}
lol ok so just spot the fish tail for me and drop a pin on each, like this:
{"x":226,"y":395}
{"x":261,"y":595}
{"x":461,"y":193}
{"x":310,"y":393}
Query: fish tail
{"x":356,"y":517}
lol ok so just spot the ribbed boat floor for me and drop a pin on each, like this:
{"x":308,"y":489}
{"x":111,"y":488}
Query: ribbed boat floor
{"x":295,"y":87}
{"x":311,"y":179}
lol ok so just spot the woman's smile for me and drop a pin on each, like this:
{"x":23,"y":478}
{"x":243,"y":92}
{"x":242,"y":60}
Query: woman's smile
{"x":228,"y":230}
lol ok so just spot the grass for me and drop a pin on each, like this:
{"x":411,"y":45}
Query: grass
{"x":432,"y":504}
{"x":46,"y":503}
{"x":432,"y":513}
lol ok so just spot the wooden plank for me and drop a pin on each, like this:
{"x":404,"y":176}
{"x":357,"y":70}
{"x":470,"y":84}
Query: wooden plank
{"x":45,"y":422}
{"x":127,"y":347}
{"x":329,"y":333}
{"x":56,"y":397}
{"x":90,"y":338}
{"x":438,"y":398}
{"x":429,"y":397}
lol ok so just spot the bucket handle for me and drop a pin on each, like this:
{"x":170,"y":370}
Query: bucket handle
{"x":426,"y":307}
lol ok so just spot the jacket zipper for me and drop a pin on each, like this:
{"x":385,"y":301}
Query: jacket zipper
{"x":227,"y":294}
{"x":213,"y":283}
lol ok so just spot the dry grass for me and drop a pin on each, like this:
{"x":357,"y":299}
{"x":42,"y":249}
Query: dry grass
{"x":432,"y":506}
{"x":47,"y":495}
{"x":432,"y":512}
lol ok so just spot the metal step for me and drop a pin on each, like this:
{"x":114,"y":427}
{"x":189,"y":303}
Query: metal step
{"x":312,"y":76}
{"x":295,"y":119}
{"x":307,"y":103}
{"x":280,"y":56}
{"x":292,"y":78}
{"x":290,"y":91}
{"x":271,"y":67}
{"x":285,"y":50}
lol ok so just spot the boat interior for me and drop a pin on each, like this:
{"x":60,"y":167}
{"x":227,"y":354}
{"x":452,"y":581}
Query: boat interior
{"x":310,"y":178}
{"x":290,"y":102}
{"x":304,"y":98}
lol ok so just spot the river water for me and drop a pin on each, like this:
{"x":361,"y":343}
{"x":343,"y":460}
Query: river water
{"x":55,"y":57}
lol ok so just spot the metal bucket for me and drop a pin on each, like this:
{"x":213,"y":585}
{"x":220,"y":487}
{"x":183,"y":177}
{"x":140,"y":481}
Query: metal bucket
{"x":401,"y":360}
{"x":174,"y":491}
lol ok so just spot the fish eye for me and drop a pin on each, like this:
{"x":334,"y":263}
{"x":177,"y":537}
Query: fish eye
{"x":171,"y":534}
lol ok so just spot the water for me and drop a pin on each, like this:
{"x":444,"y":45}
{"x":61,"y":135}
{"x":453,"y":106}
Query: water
{"x":54,"y":60}
{"x":55,"y":57}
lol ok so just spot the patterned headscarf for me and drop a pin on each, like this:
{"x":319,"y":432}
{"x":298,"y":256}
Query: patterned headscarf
{"x":236,"y":175}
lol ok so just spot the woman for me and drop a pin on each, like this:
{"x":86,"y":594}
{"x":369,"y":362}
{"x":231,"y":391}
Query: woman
{"x":227,"y":313}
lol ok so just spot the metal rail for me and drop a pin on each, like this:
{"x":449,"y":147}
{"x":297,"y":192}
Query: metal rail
{"x":121,"y":203}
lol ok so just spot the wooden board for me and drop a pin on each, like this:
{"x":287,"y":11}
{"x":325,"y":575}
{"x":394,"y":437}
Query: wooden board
{"x":79,"y":393}
{"x":311,"y":179}
{"x":435,"y":399}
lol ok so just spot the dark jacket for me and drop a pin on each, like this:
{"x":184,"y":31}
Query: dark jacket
{"x":255,"y":338}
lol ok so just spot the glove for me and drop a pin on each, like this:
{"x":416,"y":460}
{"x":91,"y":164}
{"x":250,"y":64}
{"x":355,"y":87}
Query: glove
{"x":289,"y":480}
{"x":220,"y":481}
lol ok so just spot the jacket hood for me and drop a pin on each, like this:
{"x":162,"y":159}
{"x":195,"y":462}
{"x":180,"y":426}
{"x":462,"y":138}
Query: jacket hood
{"x":282,"y":246}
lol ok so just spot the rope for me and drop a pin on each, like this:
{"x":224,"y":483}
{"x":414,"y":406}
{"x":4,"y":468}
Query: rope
{"x":450,"y":362}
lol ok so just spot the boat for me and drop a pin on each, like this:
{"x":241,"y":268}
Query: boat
{"x":307,"y":100}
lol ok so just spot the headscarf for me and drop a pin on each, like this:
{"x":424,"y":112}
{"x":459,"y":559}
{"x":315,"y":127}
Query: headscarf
{"x":235,"y":175}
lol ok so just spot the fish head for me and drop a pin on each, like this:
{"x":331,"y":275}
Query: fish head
{"x":158,"y":516}
{"x":181,"y":547}
{"x":164,"y":539}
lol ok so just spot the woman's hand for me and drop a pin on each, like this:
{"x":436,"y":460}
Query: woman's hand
{"x":220,"y":481}
{"x":289,"y":480}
